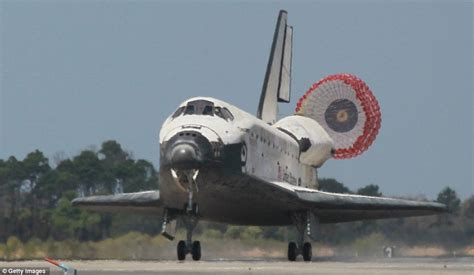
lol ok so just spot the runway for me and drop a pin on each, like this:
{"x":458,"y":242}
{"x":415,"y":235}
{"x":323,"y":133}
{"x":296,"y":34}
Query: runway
{"x":428,"y":266}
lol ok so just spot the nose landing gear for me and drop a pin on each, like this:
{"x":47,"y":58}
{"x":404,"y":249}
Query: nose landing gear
{"x":189,"y":247}
{"x":186,"y":181}
{"x":184,"y":249}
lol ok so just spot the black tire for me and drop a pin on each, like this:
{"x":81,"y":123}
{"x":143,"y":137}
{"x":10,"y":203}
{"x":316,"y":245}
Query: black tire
{"x":181,"y":250}
{"x":291,"y":251}
{"x":196,"y":250}
{"x":307,"y":252}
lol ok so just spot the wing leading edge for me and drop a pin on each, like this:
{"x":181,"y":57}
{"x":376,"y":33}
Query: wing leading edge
{"x":140,"y":202}
{"x":334,"y":208}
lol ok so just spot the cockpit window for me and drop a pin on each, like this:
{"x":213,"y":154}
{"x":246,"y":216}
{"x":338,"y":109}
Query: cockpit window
{"x":207,"y":111}
{"x":199,"y":107}
{"x":178,"y":112}
{"x":223,"y":113}
{"x":189,"y":110}
{"x":204,"y":107}
{"x":218,"y":112}
{"x":227,"y":114}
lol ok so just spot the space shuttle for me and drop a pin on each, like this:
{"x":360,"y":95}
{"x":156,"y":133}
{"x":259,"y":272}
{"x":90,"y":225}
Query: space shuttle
{"x":219,"y":163}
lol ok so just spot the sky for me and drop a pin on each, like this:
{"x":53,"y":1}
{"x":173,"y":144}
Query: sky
{"x":77,"y":73}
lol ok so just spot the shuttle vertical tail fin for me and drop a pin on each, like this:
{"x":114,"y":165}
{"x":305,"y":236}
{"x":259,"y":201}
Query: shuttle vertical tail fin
{"x":276,"y":86}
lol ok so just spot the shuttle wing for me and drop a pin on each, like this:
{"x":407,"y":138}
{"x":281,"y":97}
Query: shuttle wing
{"x":334,"y":207}
{"x":140,"y":202}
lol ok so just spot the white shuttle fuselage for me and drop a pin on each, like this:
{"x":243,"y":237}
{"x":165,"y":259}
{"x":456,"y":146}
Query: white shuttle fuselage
{"x":222,"y":164}
{"x":243,"y":150}
{"x":270,"y":152}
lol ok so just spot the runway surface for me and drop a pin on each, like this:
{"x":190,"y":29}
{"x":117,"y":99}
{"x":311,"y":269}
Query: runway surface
{"x":427,"y":266}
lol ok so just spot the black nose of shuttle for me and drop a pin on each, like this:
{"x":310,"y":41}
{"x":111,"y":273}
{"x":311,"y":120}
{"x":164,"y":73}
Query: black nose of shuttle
{"x":187,"y":150}
{"x":184,"y":153}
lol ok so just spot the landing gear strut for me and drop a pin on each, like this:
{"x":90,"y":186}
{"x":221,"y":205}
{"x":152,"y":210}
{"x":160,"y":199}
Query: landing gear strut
{"x":186,"y":181}
{"x":189,"y":247}
{"x":306,"y":225}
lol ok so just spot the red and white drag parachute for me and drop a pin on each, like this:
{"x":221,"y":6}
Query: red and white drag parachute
{"x":346,"y":108}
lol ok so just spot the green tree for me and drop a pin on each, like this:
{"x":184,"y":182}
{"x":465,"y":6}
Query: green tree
{"x":70,"y":222}
{"x":3,"y":200}
{"x":54,"y":184}
{"x":11,"y":175}
{"x":92,"y":174}
{"x":34,"y":166}
{"x":35,"y":198}
{"x":370,"y":190}
{"x":113,"y":153}
{"x":141,"y":176}
{"x":449,"y":197}
{"x":332,"y":185}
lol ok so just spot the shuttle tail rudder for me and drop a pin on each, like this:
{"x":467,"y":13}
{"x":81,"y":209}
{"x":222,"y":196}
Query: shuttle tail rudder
{"x":276,"y":86}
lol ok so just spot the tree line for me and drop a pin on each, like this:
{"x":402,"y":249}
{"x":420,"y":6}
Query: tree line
{"x":35,"y":197}
{"x":35,"y":203}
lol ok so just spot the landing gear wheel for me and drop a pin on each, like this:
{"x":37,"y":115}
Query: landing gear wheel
{"x":181,"y":250}
{"x":292,"y":251}
{"x":196,"y":250}
{"x":307,"y":252}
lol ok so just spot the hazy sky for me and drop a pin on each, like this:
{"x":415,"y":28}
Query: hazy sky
{"x":76,"y":73}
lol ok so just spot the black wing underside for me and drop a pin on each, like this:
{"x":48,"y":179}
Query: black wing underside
{"x":328,"y":207}
{"x":334,"y":208}
{"x":147,"y":202}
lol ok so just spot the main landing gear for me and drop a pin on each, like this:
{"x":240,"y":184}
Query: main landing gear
{"x":294,"y":250}
{"x":306,"y":224}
